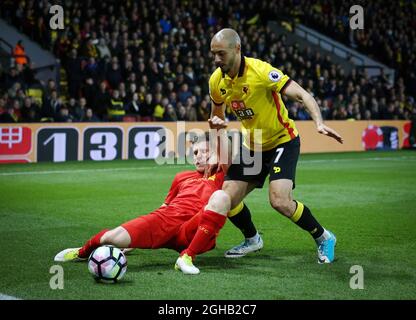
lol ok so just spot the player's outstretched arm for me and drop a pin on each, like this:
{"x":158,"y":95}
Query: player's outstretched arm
{"x":296,"y":93}
{"x":217,"y":114}
{"x":220,"y":147}
{"x":224,"y":149}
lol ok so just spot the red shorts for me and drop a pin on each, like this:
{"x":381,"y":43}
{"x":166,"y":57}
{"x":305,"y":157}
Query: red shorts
{"x":162,"y":229}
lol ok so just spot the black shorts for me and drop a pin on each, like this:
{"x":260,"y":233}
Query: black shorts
{"x":280,"y":162}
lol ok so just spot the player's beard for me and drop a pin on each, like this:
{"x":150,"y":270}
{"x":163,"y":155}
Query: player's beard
{"x":226,"y":68}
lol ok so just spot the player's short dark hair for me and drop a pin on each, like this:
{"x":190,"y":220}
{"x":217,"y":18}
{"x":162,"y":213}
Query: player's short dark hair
{"x":205,"y":137}
{"x":200,"y":137}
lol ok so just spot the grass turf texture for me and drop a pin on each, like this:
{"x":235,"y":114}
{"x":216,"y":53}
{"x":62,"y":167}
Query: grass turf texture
{"x":367,"y":199}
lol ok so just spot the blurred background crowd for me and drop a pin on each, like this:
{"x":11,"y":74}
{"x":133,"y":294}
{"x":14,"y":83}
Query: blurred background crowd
{"x":150,"y":60}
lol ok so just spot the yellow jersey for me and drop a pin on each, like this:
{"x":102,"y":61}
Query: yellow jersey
{"x":254,"y":97}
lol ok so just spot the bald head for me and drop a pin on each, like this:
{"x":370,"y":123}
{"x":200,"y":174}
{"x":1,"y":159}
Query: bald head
{"x":228,"y":37}
{"x":226,"y":48}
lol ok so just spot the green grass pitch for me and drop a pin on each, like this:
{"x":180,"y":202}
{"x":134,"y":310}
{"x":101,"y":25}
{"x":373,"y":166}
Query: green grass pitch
{"x":367,"y":199}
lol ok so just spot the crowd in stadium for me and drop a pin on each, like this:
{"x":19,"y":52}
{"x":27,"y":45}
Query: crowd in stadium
{"x":150,"y":60}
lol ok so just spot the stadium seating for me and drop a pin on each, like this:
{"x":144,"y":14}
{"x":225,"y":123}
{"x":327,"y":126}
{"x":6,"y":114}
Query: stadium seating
{"x":156,"y":53}
{"x":36,"y":94}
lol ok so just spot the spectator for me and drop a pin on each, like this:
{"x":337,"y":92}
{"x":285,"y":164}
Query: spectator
{"x":74,"y":73}
{"x":190,"y":110}
{"x":181,"y":112}
{"x":170,"y":113}
{"x":79,"y":110}
{"x":50,"y":87}
{"x":159,"y":112}
{"x":63,"y":115}
{"x":114,"y":76}
{"x":116,"y":111}
{"x":2,"y":105}
{"x":29,"y":112}
{"x":133,"y":107}
{"x":50,"y":107}
{"x":91,"y":69}
{"x":89,"y":90}
{"x":90,"y":116}
{"x":102,"y":101}
{"x":204,"y":111}
{"x":89,"y":50}
{"x":184,"y":93}
{"x":8,"y":115}
{"x":19,"y":53}
{"x":302,"y":113}
{"x":103,"y":50}
{"x":29,"y":75}
{"x":148,"y":108}
{"x":12,"y":77}
{"x":156,"y":47}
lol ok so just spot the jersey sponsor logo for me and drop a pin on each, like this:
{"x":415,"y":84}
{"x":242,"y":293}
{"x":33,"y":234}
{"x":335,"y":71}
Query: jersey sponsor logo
{"x":277,"y":169}
{"x":245,"y":114}
{"x":242,"y":112}
{"x":238,"y":105}
{"x":274,"y":76}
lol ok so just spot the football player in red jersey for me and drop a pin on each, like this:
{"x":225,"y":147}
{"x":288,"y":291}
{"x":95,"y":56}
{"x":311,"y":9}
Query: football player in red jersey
{"x":188,"y":221}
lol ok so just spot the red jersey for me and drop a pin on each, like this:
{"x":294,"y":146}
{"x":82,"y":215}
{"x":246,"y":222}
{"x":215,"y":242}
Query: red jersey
{"x":174,"y":226}
{"x":190,"y":191}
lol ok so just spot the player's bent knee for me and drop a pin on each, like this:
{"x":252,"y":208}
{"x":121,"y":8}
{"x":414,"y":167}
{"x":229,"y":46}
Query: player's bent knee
{"x":118,"y":237}
{"x":282,"y":205}
{"x":236,"y":192}
{"x":219,"y":202}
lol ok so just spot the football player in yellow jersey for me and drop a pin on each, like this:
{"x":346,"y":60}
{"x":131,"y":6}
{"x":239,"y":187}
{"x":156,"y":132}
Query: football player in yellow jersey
{"x":252,"y":89}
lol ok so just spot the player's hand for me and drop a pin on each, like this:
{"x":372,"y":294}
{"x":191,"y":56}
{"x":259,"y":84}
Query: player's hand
{"x":323,"y":129}
{"x":217,"y":123}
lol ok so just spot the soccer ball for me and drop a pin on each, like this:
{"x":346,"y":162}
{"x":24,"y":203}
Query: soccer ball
{"x":107,"y":263}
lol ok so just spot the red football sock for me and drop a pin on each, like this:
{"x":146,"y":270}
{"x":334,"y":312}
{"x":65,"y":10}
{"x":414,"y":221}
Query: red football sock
{"x":91,"y":244}
{"x":209,"y":226}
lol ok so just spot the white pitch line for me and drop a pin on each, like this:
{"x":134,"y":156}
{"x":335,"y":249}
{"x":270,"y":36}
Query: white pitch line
{"x":16,"y":173}
{"x":404,"y":158}
{"x":7,"y":297}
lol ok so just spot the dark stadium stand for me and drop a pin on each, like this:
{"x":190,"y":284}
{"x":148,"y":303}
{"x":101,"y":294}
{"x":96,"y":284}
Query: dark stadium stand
{"x":152,"y":62}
